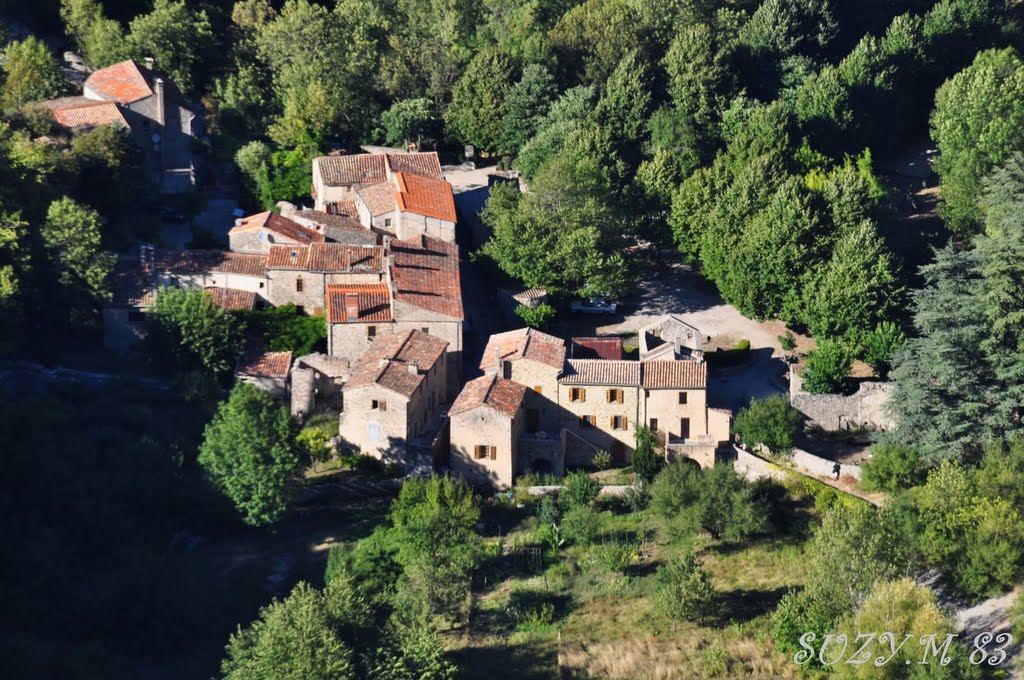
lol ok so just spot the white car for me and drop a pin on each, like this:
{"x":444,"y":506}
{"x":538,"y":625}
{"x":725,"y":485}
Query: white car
{"x":595,"y":305}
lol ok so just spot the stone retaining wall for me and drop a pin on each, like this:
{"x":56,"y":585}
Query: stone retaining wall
{"x":863,"y":410}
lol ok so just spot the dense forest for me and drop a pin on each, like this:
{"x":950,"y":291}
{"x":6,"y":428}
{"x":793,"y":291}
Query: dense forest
{"x":764,"y":143}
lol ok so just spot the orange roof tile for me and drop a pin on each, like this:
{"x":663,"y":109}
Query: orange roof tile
{"x":341,"y":257}
{"x":425,"y":163}
{"x":203,"y":261}
{"x":364,"y":168}
{"x":426,"y":275}
{"x":232,"y":298}
{"x":374,"y":303}
{"x":266,"y":365}
{"x":379,"y":198}
{"x":88,"y":116}
{"x":601,"y":372}
{"x":608,"y":348}
{"x":504,"y":396}
{"x":425,"y":196}
{"x":123,"y":82}
{"x":279,"y":225}
{"x":676,"y":375}
{"x":288,"y":257}
{"x":525,"y":343}
{"x":389,"y":360}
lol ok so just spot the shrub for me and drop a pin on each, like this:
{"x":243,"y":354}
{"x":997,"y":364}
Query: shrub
{"x":602,"y":460}
{"x":826,"y":368}
{"x":881,"y":344}
{"x":892,"y":468}
{"x":675,"y":488}
{"x":579,"y":489}
{"x":787,"y":341}
{"x":618,"y":555}
{"x":770,"y":422}
{"x":536,"y":317}
{"x":646,"y":461}
{"x":684,"y":591}
{"x":580,"y":525}
{"x":638,"y":497}
{"x":530,"y":609}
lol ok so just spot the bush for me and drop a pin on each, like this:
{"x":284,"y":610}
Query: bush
{"x":530,"y":609}
{"x":646,"y":461}
{"x":287,"y":330}
{"x":881,"y":344}
{"x":737,"y":354}
{"x":638,"y":497}
{"x":580,"y":525}
{"x":770,"y":422}
{"x":602,"y":460}
{"x":536,"y":317}
{"x":826,"y":368}
{"x":892,"y":468}
{"x":684,"y":591}
{"x":676,"y":488}
{"x":618,"y":555}
{"x":787,"y":341}
{"x":579,"y":489}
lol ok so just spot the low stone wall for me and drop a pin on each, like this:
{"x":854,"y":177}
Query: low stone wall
{"x":619,"y":490}
{"x":864,"y":410}
{"x":815,"y":465}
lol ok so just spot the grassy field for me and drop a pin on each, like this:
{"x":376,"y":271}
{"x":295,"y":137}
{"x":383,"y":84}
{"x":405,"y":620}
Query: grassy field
{"x":601,"y":623}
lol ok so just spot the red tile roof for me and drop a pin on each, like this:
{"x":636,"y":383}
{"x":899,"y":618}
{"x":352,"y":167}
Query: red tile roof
{"x":676,"y":375}
{"x":279,"y":225}
{"x":525,"y":343}
{"x":389,"y":360}
{"x":379,"y":198}
{"x":204,"y":261}
{"x":122,"y":82}
{"x":530,"y":295}
{"x":425,"y":196}
{"x":425,"y":163}
{"x":597,"y":348}
{"x":340,"y":257}
{"x":374,"y":303}
{"x":364,"y":168}
{"x":504,"y":396}
{"x":79,"y":114}
{"x":288,"y":257}
{"x":426,"y":275}
{"x":232,"y":298}
{"x":266,"y":365}
{"x":130,"y":284}
{"x":338,"y":227}
{"x":601,"y":372}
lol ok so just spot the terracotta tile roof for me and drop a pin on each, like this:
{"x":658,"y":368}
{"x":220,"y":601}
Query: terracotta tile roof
{"x":81,"y":113}
{"x":675,"y":375}
{"x":374,"y":303}
{"x":425,"y":196}
{"x":288,"y":257}
{"x":122,"y":82}
{"x":130,"y":285}
{"x":425,"y":163}
{"x":203,"y":261}
{"x":597,"y":348}
{"x":343,"y":208}
{"x":279,"y":225}
{"x":504,"y":396}
{"x":526,"y":343}
{"x":364,"y":168}
{"x":340,"y":257}
{"x":332,"y":367}
{"x":266,"y":365}
{"x":426,"y":275}
{"x":379,"y":198}
{"x":341,"y":228}
{"x":601,"y":372}
{"x":388,"y":362}
{"x":525,"y":297}
{"x":232,"y":298}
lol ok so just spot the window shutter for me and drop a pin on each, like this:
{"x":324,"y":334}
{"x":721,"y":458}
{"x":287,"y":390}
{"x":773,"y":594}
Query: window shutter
{"x":625,"y":423}
{"x":494,"y":453}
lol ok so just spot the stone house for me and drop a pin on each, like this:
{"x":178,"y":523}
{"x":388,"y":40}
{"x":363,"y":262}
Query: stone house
{"x":486,"y":424}
{"x":407,"y":206}
{"x":258,"y":233}
{"x":670,"y":338}
{"x":395,"y":393}
{"x":604,"y":398}
{"x":316,"y":382}
{"x":145,"y":102}
{"x":357,"y":315}
{"x":336,"y":179}
{"x":301,"y":274}
{"x":534,"y":359}
{"x":266,"y":370}
{"x":339,"y":228}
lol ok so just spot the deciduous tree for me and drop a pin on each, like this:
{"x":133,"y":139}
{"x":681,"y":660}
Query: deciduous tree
{"x":30,"y":74}
{"x":770,"y":422}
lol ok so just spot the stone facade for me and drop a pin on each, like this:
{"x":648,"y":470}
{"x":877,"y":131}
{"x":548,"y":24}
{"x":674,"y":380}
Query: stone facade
{"x":863,"y":410}
{"x":485,"y":446}
{"x":605,"y":417}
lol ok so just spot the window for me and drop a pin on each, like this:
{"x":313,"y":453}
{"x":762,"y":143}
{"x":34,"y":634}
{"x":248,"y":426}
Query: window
{"x":378,"y":405}
{"x":300,"y":309}
{"x":373,"y":431}
{"x":682,"y":397}
{"x":654,"y":424}
{"x":387,"y":222}
{"x":588,"y":421}
{"x":425,"y":330}
{"x":298,"y":285}
{"x":619,"y":422}
{"x":614,"y":396}
{"x":577,"y":394}
{"x":371,"y":331}
{"x":482,"y":451}
{"x":261,"y":284}
{"x":684,"y":428}
{"x":136,"y":317}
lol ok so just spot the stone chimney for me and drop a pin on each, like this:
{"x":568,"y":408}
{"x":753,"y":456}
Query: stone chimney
{"x":413,"y":368}
{"x":150,"y":63}
{"x":158,"y":88}
{"x":351,"y":306}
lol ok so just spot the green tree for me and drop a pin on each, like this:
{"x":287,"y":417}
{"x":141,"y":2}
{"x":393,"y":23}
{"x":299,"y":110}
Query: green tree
{"x":476,"y":114}
{"x":646,"y":460}
{"x":675,"y":489}
{"x":287,"y":330}
{"x":438,"y":546}
{"x":892,"y":468}
{"x":699,"y":83}
{"x":727,"y":507}
{"x":578,"y":490}
{"x":625,"y":105}
{"x":250,"y":453}
{"x":409,"y":121}
{"x":71,"y":237}
{"x":536,"y":317}
{"x":178,"y":37}
{"x":187,"y":332}
{"x":101,"y":40}
{"x":526,"y":105}
{"x":770,"y":422}
{"x":978,"y":123}
{"x":881,"y":345}
{"x":296,"y":637}
{"x":827,"y":367}
{"x":684,"y":591}
{"x":30,"y":74}
{"x":568,"y":114}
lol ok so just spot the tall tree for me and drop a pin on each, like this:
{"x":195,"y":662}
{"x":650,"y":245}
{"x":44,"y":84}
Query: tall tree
{"x":249,"y":452}
{"x":178,"y":37}
{"x":30,"y":74}
{"x":101,"y":40}
{"x":187,"y":332}
{"x":476,"y":114}
{"x":71,"y":238}
{"x":526,"y":105}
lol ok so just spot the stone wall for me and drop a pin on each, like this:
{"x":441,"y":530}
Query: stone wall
{"x":803,"y":462}
{"x":863,"y":410}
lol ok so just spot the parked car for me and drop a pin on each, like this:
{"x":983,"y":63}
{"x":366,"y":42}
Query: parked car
{"x":594,"y":305}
